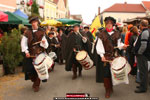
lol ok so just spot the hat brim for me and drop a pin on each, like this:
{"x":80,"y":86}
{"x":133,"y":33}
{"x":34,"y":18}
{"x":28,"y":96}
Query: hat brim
{"x":110,"y":19}
{"x":86,"y":28}
{"x":34,"y":19}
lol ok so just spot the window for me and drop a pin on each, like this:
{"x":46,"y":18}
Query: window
{"x":119,"y":19}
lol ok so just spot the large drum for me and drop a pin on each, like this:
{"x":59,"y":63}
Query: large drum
{"x":42,"y":63}
{"x":53,"y":55}
{"x":120,"y":69}
{"x":83,"y":58}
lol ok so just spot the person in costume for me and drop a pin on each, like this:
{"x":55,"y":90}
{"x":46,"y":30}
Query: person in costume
{"x":31,"y":36}
{"x":107,"y":40}
{"x":75,"y":43}
{"x":88,"y":33}
{"x":97,"y":59}
{"x":54,"y":45}
{"x":62,"y":40}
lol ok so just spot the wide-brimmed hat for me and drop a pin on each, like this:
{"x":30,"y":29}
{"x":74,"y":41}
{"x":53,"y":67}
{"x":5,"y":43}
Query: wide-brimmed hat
{"x":33,"y":19}
{"x":78,"y":25}
{"x":86,"y":27}
{"x":50,"y":33}
{"x":101,"y":28}
{"x":110,"y":18}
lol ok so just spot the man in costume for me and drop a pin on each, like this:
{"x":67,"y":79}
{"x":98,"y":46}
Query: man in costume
{"x":75,"y":42}
{"x":31,"y":36}
{"x":107,"y":40}
{"x":88,"y":33}
{"x":142,"y":50}
{"x":53,"y":43}
{"x":97,"y":59}
{"x":62,"y":40}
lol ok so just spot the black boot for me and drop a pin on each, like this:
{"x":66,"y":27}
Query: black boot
{"x":74,"y":69}
{"x":108,"y":87}
{"x":36,"y":85}
{"x":80,"y":71}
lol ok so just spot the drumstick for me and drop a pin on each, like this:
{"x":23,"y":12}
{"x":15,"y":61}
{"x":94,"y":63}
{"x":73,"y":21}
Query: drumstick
{"x":108,"y":61}
{"x":82,"y":37}
{"x":36,"y":42}
{"x":32,"y":56}
{"x":118,"y":47}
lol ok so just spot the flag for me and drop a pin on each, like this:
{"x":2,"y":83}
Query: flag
{"x":95,"y":25}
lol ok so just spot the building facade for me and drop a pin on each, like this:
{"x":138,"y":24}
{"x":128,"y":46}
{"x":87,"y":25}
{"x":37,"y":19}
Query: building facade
{"x":76,"y":17}
{"x":61,"y":9}
{"x":25,"y":6}
{"x":50,"y":10}
{"x":8,"y":5}
{"x":125,"y":11}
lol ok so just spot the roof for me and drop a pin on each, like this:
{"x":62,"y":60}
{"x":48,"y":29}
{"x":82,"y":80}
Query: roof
{"x":77,"y":17}
{"x":65,"y":1}
{"x":55,"y":1}
{"x":127,"y":8}
{"x":146,"y":4}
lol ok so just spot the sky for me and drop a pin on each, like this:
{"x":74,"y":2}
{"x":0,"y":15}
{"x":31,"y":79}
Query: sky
{"x":89,"y":8}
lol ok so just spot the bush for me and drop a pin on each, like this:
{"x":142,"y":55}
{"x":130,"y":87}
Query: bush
{"x":11,"y":51}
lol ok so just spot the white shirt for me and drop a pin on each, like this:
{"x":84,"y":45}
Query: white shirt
{"x":24,"y":44}
{"x":100,"y":47}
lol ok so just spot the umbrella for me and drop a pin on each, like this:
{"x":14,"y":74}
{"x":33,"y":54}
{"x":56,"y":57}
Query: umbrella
{"x":15,"y":19}
{"x":51,"y":23}
{"x":69,"y":21}
{"x":3,"y":17}
{"x":20,"y":13}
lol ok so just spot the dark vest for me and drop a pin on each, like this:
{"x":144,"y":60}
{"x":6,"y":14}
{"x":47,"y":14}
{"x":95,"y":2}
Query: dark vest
{"x":78,"y":41}
{"x":138,"y":45}
{"x":32,"y":38}
{"x":108,"y":45}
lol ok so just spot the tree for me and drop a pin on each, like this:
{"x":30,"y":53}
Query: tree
{"x":11,"y":51}
{"x":35,"y":9}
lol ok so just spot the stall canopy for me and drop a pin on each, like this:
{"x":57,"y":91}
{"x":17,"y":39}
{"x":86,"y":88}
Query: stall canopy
{"x":3,"y":17}
{"x":51,"y":23}
{"x":15,"y":19}
{"x":20,"y":13}
{"x":69,"y":21}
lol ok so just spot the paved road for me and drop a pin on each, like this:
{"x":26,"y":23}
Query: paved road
{"x":60,"y":83}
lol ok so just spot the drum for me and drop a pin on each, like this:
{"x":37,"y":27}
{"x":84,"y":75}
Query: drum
{"x":41,"y":64}
{"x":120,"y":69}
{"x":53,"y":55}
{"x":83,"y":58}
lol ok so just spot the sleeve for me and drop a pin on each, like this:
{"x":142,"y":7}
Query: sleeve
{"x":144,"y":41}
{"x":44,"y":45}
{"x":24,"y":44}
{"x":120,"y":44}
{"x":84,"y":40}
{"x":126,"y":39}
{"x":100,"y":48}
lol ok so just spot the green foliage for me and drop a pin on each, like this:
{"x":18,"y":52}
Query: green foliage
{"x":11,"y":50}
{"x":35,"y":9}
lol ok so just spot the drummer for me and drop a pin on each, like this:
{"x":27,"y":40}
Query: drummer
{"x":107,"y":40}
{"x":75,"y":43}
{"x":33,"y":35}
